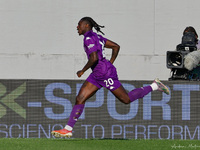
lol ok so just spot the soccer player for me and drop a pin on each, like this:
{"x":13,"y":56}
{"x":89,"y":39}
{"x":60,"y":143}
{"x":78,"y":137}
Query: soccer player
{"x":103,"y":74}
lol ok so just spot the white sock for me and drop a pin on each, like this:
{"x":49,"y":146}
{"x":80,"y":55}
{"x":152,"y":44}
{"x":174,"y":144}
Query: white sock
{"x":68,"y":128}
{"x":154,"y":86}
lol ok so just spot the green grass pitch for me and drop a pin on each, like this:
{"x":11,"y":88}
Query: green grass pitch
{"x":95,"y":144}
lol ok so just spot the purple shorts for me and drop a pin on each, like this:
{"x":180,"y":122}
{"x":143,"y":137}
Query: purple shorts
{"x":104,"y":75}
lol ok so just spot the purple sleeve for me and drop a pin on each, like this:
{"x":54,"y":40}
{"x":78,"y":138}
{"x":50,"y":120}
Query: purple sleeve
{"x":90,"y":45}
{"x":103,"y":38}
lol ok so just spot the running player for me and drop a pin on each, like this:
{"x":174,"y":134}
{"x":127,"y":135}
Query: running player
{"x":103,"y":74}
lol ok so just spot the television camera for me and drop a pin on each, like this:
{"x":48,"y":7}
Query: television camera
{"x":176,"y":59}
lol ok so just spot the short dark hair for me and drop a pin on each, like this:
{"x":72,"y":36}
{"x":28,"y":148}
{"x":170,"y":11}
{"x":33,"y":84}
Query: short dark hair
{"x":190,"y":29}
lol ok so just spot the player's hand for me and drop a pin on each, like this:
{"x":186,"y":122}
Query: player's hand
{"x":80,"y":73}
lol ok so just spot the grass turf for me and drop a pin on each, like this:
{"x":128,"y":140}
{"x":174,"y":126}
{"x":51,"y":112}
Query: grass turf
{"x":95,"y":144}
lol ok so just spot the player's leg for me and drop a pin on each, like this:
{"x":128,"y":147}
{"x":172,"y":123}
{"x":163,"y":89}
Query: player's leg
{"x":112,"y":83}
{"x":121,"y":94}
{"x":87,"y":90}
{"x":133,"y":95}
{"x":137,"y":93}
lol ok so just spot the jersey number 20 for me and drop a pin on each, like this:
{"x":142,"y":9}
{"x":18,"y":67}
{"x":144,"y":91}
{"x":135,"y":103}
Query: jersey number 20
{"x":109,"y":82}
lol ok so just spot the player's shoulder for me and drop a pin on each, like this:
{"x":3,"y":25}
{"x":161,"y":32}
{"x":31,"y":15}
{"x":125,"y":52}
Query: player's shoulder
{"x":90,"y":37}
{"x":102,"y":38}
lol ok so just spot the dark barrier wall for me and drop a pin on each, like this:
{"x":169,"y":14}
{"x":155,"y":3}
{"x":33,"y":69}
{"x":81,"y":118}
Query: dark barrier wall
{"x":33,"y":108}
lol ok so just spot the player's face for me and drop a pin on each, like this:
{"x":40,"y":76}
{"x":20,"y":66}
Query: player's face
{"x":82,"y":27}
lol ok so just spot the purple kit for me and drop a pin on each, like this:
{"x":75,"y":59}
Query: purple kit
{"x":104,"y":73}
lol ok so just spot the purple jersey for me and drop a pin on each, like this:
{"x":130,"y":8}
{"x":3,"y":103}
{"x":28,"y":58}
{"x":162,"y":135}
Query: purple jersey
{"x":94,"y":42}
{"x":103,"y":73}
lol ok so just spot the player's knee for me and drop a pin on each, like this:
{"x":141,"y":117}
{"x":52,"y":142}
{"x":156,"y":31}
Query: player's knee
{"x":80,"y":99}
{"x":125,"y":101}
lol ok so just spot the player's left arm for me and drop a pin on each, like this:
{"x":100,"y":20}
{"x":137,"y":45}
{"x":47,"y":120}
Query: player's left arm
{"x":115,"y":49}
{"x":91,"y":61}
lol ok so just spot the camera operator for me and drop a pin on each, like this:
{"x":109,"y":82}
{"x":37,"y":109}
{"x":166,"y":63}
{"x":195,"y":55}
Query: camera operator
{"x":184,"y":62}
{"x":192,"y":59}
{"x":192,"y":30}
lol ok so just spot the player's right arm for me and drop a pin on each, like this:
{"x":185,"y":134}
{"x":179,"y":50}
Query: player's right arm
{"x":115,"y":49}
